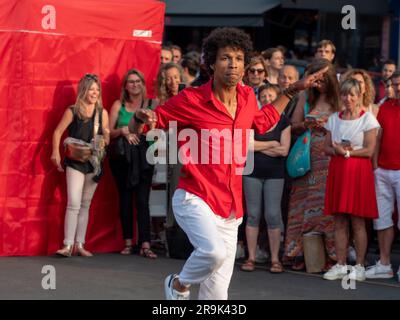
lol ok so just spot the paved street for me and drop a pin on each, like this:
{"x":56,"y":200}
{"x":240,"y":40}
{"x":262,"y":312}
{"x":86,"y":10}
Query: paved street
{"x":111,"y":276}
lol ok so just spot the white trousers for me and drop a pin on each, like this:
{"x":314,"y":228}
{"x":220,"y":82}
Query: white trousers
{"x":214,"y":240}
{"x":387,"y":185}
{"x":80,"y":189}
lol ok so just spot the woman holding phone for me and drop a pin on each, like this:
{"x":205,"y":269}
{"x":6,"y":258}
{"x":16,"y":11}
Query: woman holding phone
{"x":306,"y":206}
{"x":367,"y":89}
{"x":350,"y":190}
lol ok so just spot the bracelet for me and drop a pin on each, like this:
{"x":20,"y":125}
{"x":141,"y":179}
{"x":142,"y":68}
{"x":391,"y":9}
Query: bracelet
{"x":137,"y":119}
{"x":290,"y":92}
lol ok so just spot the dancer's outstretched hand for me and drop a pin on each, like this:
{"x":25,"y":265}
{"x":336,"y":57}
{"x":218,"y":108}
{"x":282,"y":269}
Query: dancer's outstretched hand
{"x":148,"y":117}
{"x":311,"y":80}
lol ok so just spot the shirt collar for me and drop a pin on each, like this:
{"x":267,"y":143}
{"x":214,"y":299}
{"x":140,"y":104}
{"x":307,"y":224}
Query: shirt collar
{"x":209,"y":95}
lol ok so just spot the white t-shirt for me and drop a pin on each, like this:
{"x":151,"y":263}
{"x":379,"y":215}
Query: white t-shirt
{"x":351,"y":130}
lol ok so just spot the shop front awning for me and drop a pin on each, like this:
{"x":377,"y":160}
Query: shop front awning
{"x":214,"y":13}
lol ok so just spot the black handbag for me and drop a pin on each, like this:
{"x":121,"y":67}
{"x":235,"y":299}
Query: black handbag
{"x":117,"y":149}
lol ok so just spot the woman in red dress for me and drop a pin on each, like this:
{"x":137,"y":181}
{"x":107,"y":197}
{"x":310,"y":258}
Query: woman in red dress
{"x":350,"y":190}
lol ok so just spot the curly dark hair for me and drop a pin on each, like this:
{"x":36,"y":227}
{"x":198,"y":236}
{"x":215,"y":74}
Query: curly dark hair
{"x":222,"y":38}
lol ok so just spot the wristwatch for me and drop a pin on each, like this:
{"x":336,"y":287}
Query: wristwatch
{"x":347,"y":154}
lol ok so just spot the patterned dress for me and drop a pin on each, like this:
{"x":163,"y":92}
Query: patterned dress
{"x":306,"y":207}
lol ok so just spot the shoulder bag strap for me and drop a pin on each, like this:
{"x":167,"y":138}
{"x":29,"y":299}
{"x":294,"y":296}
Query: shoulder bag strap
{"x":306,"y":106}
{"x":96,"y":123}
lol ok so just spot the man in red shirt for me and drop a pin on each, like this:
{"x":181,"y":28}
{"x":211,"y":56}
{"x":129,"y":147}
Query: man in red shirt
{"x":208,"y":202}
{"x":387,"y":179}
{"x":388,"y":68}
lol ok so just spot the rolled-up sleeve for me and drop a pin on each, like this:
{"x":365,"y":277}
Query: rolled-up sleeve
{"x":265,"y":118}
{"x":175,"y":109}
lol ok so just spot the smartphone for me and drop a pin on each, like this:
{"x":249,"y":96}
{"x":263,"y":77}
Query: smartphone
{"x":346,"y":143}
{"x":312,"y":117}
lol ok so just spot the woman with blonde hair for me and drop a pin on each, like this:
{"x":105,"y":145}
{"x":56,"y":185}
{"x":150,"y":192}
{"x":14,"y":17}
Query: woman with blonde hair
{"x":350,"y":189}
{"x":367,"y":89}
{"x":85,"y":120}
{"x":169,"y":79}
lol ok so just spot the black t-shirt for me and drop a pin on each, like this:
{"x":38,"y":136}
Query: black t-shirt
{"x":83,"y":130}
{"x":266,"y":167}
{"x":291,"y":106}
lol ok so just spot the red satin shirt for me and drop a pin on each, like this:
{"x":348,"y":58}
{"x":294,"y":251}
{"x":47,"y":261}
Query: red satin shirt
{"x":197,"y":109}
{"x":389,"y":119}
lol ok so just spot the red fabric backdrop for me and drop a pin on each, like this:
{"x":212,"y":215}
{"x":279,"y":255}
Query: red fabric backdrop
{"x":44,"y":51}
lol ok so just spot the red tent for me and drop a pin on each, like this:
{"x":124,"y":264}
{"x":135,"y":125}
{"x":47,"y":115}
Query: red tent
{"x":45,"y":47}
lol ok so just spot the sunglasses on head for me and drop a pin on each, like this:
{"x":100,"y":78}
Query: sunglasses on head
{"x":254,"y":70}
{"x":91,"y":76}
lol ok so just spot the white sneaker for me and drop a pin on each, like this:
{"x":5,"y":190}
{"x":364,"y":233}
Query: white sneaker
{"x":336,"y":272}
{"x":240,"y":252}
{"x":379,"y":271}
{"x":357,"y":273}
{"x":171,"y":293}
{"x":261,"y":255}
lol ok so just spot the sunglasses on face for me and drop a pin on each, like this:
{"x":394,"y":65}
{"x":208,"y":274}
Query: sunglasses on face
{"x":254,"y":70}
